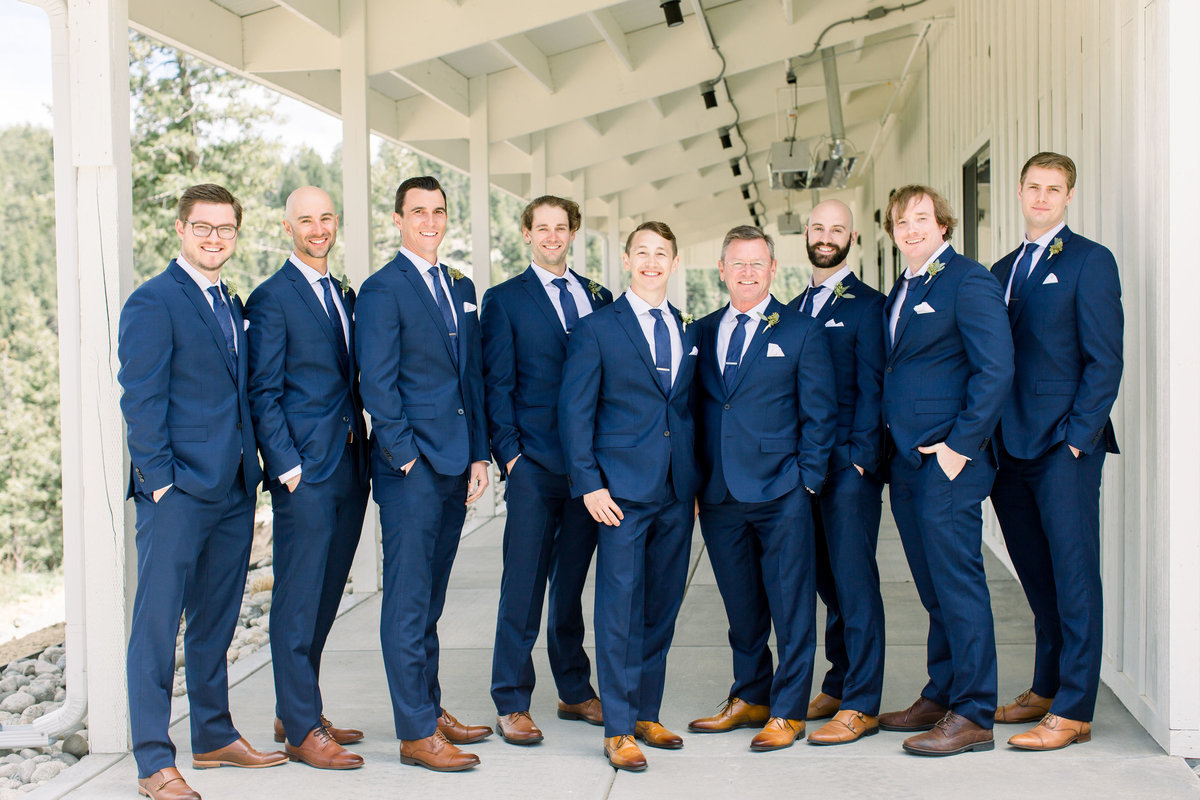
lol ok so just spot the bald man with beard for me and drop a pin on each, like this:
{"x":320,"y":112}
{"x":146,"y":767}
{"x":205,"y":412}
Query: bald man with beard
{"x":308,"y":418}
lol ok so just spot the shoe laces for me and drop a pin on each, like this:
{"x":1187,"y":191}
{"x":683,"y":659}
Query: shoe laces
{"x":947,"y":720}
{"x":1051,"y":721}
{"x":623,"y":740}
{"x":325,"y":722}
{"x":519,"y":714}
{"x":725,"y":707}
{"x":322,"y":734}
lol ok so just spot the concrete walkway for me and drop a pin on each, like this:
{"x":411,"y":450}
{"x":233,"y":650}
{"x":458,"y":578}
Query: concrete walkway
{"x":1122,"y":761}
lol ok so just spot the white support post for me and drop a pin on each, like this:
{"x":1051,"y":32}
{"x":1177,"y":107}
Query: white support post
{"x":579,"y":249}
{"x":481,"y":226}
{"x":356,"y":224}
{"x":537,"y":173}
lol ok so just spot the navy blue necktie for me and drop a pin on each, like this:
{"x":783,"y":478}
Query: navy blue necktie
{"x":221,"y":311}
{"x":809,"y":298}
{"x":1020,"y":273}
{"x":567,"y":301}
{"x":335,"y":319}
{"x":662,"y":349}
{"x":909,"y":285}
{"x":733,"y":355}
{"x":447,"y":314}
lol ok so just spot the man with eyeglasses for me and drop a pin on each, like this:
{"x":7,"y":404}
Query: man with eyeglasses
{"x":193,"y":477}
{"x":767,"y":418}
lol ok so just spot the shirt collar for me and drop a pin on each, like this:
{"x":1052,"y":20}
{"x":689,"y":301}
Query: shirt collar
{"x":310,"y":274}
{"x":756,"y":313}
{"x":641,"y":307}
{"x":417,"y":261}
{"x":932,"y":258}
{"x":545,"y":276}
{"x":1047,"y":237}
{"x":836,"y":278}
{"x":202,"y":280}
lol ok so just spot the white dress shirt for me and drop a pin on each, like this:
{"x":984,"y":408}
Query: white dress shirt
{"x":642,"y":309}
{"x":314,"y":281}
{"x":1042,"y":243}
{"x":205,"y":283}
{"x":582,"y":303}
{"x":729,"y":322}
{"x":424,"y":266}
{"x":902,"y":294}
{"x":822,"y":297}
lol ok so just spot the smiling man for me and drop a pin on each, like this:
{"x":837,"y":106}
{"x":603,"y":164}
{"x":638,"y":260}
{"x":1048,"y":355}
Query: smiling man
{"x":766,"y":424}
{"x":627,"y":434}
{"x":419,"y":356}
{"x":948,"y":372}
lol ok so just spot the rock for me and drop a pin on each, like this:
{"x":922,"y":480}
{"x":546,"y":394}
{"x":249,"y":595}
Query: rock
{"x":232,"y":655}
{"x":29,"y":752}
{"x":26,"y":789}
{"x":41,"y":758}
{"x":75,"y":745}
{"x":7,"y":770}
{"x":60,"y":695}
{"x":179,"y":691}
{"x":25,"y":771}
{"x":53,"y":654}
{"x":260,"y":598}
{"x":9,"y":684}
{"x":48,"y":770}
{"x":44,"y":668}
{"x":66,"y":758}
{"x":41,"y":690}
{"x":14,"y":758}
{"x":180,"y":658}
{"x":22,"y":680}
{"x":28,"y":667}
{"x":17,"y":702}
{"x":61,"y":663}
{"x":33,"y":712}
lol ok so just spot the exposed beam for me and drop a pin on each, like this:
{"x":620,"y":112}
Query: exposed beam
{"x":657,"y":104}
{"x":278,"y":40}
{"x":606,"y":24}
{"x":526,"y":56}
{"x":440,"y":82}
{"x":789,"y":11}
{"x":322,"y":13}
{"x":197,"y":26}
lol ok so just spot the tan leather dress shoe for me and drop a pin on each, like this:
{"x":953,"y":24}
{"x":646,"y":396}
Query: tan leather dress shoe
{"x":340,"y":735}
{"x":655,"y":735}
{"x":846,"y":726}
{"x":822,"y":707}
{"x":953,"y":734}
{"x":1028,"y":707}
{"x":518,"y":728}
{"x":458,"y":733}
{"x":777,"y":734}
{"x":920,"y":716}
{"x":166,"y":784}
{"x":623,"y":753}
{"x":238,"y":753}
{"x":1053,"y":733}
{"x":320,"y":750}
{"x":436,"y":753}
{"x":734,"y":713}
{"x":589,"y":711}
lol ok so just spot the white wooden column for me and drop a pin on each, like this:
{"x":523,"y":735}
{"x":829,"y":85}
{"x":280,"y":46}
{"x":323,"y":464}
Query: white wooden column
{"x":481,"y":227}
{"x":537,"y":173}
{"x":579,"y":249}
{"x":356,"y":224}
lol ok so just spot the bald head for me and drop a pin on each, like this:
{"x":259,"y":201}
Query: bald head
{"x":309,"y":218}
{"x":829,"y":234}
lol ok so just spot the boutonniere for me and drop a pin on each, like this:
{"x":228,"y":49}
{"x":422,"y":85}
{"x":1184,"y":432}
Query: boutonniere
{"x":771,"y":319}
{"x":231,"y":287}
{"x":345,"y":284}
{"x":686,"y":319}
{"x":1055,"y":248}
{"x":594,"y":289}
{"x":934,"y":269}
{"x":455,"y":275}
{"x":840,"y":291}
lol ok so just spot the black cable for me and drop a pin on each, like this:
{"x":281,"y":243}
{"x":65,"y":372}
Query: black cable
{"x":872,"y":14}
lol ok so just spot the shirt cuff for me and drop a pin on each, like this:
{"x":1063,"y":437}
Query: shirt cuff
{"x":291,"y":473}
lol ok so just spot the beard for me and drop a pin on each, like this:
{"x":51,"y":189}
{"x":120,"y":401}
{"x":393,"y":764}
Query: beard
{"x":826,"y":261}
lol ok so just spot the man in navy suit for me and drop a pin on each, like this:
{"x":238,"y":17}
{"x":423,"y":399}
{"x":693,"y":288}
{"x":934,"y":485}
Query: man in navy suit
{"x":309,"y":423}
{"x":948,"y":372}
{"x":767,"y":414}
{"x":419,"y":356}
{"x":628,"y":438}
{"x":193,"y":477}
{"x":547,"y":533}
{"x":847,"y":511}
{"x":1064,"y":303}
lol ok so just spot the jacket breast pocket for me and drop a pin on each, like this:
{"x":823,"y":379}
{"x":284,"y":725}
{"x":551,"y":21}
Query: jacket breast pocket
{"x":192,"y":433}
{"x":1056,"y":387}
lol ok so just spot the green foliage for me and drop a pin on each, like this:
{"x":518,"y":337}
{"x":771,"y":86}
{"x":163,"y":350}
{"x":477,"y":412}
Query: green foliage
{"x":706,"y":293}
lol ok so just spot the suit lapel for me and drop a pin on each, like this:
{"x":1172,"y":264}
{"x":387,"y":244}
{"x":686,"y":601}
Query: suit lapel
{"x":917,"y":295}
{"x":239,"y":334}
{"x":417,"y":281}
{"x":593,"y":298}
{"x":456,"y":303}
{"x":835,"y":304}
{"x":687,"y":362}
{"x":207,"y":315}
{"x":309,"y":298}
{"x":629,"y":321}
{"x":1034,"y":282}
{"x":537,"y":293}
{"x":762,"y":334}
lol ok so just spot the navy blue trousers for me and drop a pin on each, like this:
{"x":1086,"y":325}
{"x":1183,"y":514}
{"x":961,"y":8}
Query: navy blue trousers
{"x":421,"y":515}
{"x":548,"y":535}
{"x":316,"y":531}
{"x":941,"y":526}
{"x":641,"y":572}
{"x":1049,"y":511}
{"x":847,"y":531}
{"x":192,"y":559}
{"x":762,"y":556}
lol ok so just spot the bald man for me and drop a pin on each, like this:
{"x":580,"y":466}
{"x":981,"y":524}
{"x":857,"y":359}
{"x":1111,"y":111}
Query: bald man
{"x":847,"y":511}
{"x":308,"y":418}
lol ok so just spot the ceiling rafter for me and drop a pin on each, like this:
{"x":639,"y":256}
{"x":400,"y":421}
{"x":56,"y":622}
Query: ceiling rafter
{"x":608,"y":27}
{"x":526,"y":56}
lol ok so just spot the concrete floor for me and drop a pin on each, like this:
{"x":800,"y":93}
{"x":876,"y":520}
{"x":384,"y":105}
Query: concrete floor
{"x":1121,"y":761}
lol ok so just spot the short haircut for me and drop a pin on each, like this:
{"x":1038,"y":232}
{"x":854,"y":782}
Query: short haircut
{"x":208,"y":193}
{"x":426,"y":182}
{"x":574,"y":217}
{"x":661,"y":228}
{"x":747,"y":233}
{"x":900,"y":199}
{"x":1049,"y":160}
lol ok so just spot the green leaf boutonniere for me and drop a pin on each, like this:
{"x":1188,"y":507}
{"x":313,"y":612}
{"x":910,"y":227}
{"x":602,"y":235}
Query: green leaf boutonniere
{"x":594,"y":289}
{"x":456,"y":275}
{"x":771,"y":319}
{"x":686,"y":319}
{"x":840,"y":291}
{"x":345,"y":284}
{"x":1055,"y":248}
{"x":934,"y":269}
{"x":231,"y":287}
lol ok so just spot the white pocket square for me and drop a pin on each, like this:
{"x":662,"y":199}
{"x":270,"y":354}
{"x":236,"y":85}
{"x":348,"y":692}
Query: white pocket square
{"x":245,"y":324}
{"x":924,"y":308}
{"x":774,"y":350}
{"x":695,"y":351}
{"x":834,"y":324}
{"x":1051,"y":278}
{"x":468,"y":307}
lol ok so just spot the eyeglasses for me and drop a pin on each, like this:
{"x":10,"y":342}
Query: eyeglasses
{"x":757,"y":265}
{"x":203,"y":230}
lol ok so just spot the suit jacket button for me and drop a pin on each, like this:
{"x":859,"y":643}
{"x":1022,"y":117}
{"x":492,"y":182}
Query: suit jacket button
{"x":239,"y":426}
{"x":727,"y":406}
{"x":345,"y":419}
{"x":460,"y":412}
{"x":666,"y":433}
{"x":889,"y":369}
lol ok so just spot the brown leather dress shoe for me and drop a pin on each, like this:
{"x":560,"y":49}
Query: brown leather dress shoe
{"x":1028,"y":707}
{"x":320,"y":750}
{"x":846,"y":726}
{"x":822,"y":707}
{"x":920,"y":716}
{"x":166,"y":784}
{"x":238,"y":753}
{"x":734,"y":713}
{"x":458,"y":733}
{"x":518,"y":728}
{"x":623,"y":753}
{"x":340,"y":735}
{"x":436,"y":753}
{"x":589,"y":711}
{"x":953,"y":734}
{"x":777,"y":734}
{"x":1053,"y":733}
{"x":655,"y":735}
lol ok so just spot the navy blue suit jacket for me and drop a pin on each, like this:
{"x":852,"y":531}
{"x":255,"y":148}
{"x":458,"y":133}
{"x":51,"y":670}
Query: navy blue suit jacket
{"x":419,"y":402}
{"x":185,"y":405}
{"x":775,"y":427}
{"x":1067,"y":335}
{"x":949,"y":370}
{"x":853,"y":329}
{"x":301,"y":399}
{"x":620,"y":431}
{"x":524,"y":347}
